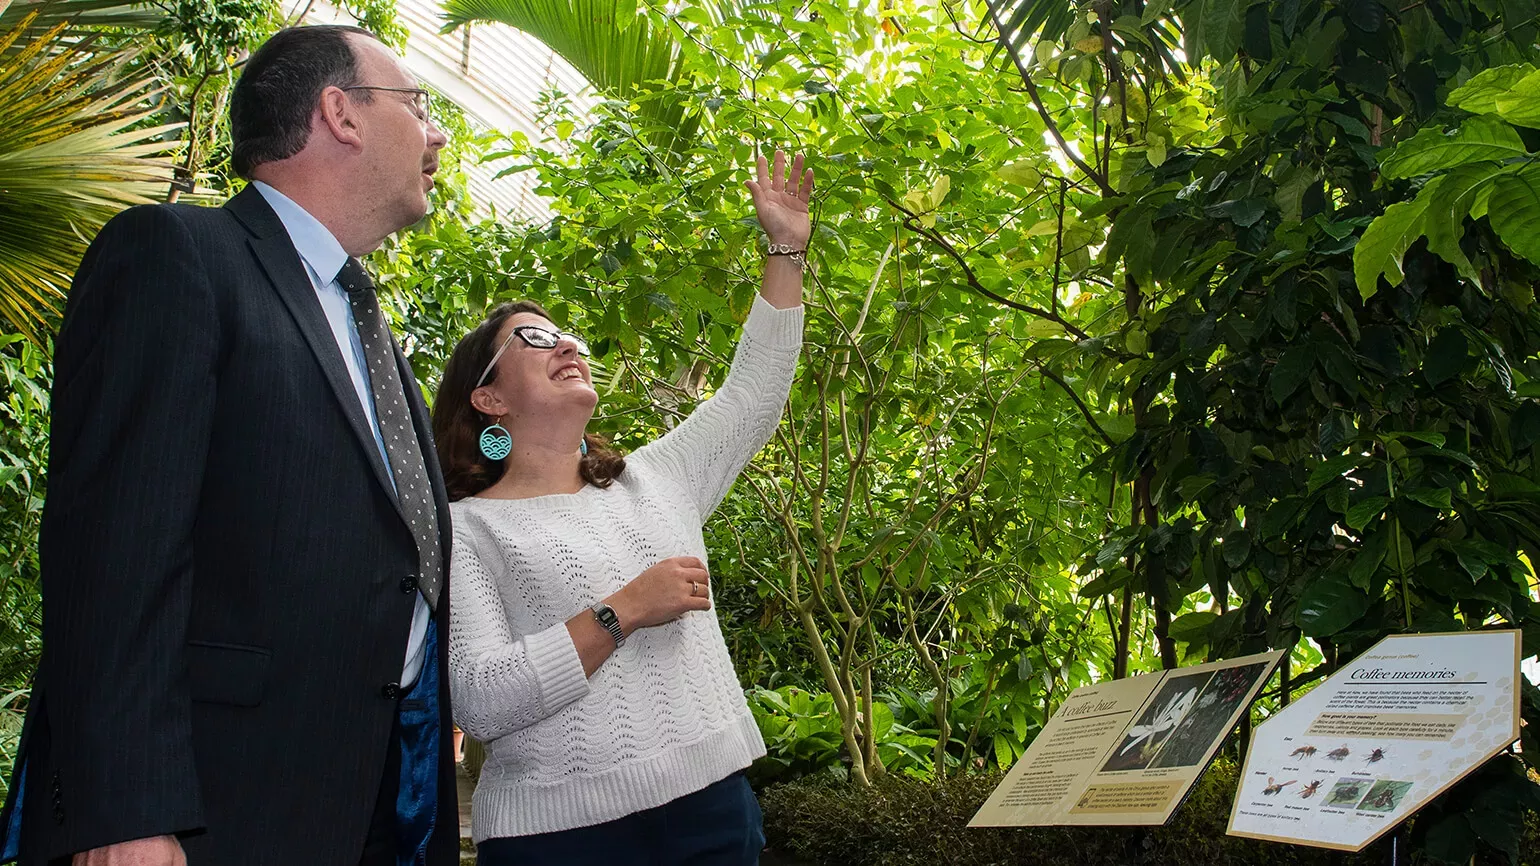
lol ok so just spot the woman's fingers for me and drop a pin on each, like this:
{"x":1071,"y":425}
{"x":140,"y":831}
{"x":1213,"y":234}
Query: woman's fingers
{"x":774,"y":175}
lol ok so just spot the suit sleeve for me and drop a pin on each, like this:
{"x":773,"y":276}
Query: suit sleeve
{"x":133,"y":405}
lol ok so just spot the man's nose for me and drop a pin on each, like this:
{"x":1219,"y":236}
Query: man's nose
{"x":566,"y":346}
{"x":436,"y":136}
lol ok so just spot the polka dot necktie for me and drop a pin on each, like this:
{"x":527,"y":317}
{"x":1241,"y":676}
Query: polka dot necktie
{"x":390,"y":409}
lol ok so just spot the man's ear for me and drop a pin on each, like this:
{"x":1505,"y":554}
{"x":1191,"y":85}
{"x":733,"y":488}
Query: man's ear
{"x":339,"y":117}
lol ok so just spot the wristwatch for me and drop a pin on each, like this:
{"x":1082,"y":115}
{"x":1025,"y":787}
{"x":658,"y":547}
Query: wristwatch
{"x":607,"y":618}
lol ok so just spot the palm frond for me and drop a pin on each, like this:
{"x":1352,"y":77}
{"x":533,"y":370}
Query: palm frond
{"x":616,"y":49}
{"x":1130,"y":25}
{"x":95,"y":13}
{"x":74,"y":150}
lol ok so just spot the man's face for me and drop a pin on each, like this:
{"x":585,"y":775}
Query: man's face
{"x":401,"y":144}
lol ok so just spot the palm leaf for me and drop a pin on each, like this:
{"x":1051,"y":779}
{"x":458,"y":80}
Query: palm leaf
{"x":617,"y":50}
{"x":74,"y":150}
{"x":98,"y":13}
{"x":1020,"y":24}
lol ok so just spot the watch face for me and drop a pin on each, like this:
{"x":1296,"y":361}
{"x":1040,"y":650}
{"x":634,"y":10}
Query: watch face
{"x":605,"y":613}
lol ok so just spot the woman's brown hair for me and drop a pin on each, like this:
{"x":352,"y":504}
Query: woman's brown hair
{"x":457,"y":425}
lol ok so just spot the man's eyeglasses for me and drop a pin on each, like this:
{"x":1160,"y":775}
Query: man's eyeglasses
{"x":535,"y":337}
{"x":419,"y":97}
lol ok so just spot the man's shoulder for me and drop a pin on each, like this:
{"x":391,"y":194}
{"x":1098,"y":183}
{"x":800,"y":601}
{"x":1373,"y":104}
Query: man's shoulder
{"x":204,"y":224}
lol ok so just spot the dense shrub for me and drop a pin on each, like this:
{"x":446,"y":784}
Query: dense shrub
{"x":900,"y":821}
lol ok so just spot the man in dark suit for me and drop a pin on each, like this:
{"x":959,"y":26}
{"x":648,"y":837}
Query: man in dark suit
{"x":243,"y":543}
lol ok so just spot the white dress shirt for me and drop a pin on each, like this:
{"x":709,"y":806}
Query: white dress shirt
{"x":323,"y":255}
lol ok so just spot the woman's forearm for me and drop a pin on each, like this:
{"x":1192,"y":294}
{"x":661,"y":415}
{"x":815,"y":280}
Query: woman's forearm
{"x":782,"y":286}
{"x":594,"y":644}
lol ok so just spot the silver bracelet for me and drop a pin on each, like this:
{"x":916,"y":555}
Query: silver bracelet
{"x":798,"y":257}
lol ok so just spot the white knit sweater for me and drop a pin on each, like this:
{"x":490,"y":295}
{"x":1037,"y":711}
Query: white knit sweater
{"x":664,"y":716}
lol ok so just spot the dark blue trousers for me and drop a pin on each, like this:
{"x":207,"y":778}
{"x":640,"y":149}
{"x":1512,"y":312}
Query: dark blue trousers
{"x":719,"y":825}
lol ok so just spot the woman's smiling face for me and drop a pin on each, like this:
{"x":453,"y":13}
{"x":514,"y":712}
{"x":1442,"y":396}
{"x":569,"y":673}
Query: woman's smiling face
{"x":533,"y":382}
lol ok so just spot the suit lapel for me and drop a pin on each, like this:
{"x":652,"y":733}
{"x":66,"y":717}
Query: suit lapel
{"x":281,"y":262}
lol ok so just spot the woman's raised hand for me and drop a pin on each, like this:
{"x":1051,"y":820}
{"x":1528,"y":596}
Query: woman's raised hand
{"x":663,"y":593}
{"x":781,"y":200}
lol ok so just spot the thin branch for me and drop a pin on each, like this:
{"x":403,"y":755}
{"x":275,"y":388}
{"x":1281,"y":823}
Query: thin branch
{"x":1042,"y":110}
{"x":912,"y":222}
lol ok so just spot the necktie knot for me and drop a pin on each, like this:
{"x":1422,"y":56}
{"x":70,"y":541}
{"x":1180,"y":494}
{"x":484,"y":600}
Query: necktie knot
{"x":353,"y":277}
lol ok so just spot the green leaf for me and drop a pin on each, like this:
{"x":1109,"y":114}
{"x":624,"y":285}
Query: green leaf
{"x":1350,"y":125}
{"x":1368,"y":560}
{"x":1222,"y":28}
{"x":1136,"y":340}
{"x":1291,"y":371}
{"x":1514,"y":211}
{"x":1385,"y":241}
{"x":1479,"y":139}
{"x":1450,"y":202}
{"x":1257,"y":37}
{"x":1479,"y":94}
{"x":1446,"y":356}
{"x":1192,"y":627}
{"x":1020,"y":172}
{"x":1329,"y":604}
{"x":1521,"y":104}
{"x":1330,"y":470}
{"x":1434,"y":497}
{"x":1471,"y":558}
{"x":1237,"y":547}
{"x":1359,"y":515}
{"x":1450,"y":839}
{"x":1004,"y":755}
{"x":1119,"y":427}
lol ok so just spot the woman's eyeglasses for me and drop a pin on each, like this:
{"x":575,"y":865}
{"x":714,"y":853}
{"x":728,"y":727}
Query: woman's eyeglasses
{"x":535,"y":337}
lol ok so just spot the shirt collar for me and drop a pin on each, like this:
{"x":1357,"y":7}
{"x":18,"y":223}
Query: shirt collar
{"x":314,"y":241}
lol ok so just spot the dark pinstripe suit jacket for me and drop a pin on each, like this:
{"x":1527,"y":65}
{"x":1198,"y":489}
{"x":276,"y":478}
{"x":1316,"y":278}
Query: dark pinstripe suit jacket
{"x":223,"y":560}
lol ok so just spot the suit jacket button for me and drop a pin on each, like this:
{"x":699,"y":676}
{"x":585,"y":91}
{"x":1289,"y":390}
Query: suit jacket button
{"x":409,"y":584}
{"x":391,"y":690}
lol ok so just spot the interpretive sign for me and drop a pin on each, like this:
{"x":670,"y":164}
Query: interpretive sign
{"x":1347,"y":762}
{"x":1126,"y":751}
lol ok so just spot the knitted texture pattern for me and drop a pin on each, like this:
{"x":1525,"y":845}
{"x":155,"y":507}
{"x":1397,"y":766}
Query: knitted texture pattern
{"x":664,"y":716}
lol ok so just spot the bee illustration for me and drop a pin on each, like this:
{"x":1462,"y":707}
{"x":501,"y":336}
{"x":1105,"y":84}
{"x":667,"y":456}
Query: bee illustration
{"x":1274,"y":787}
{"x":1309,"y":790}
{"x":1383,"y":799}
{"x":1376,"y":756}
{"x":1344,"y":794}
{"x":1303,"y":752}
{"x":1338,"y":754}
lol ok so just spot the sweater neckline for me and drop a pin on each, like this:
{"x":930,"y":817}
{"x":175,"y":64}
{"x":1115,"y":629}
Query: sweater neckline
{"x":544,"y":498}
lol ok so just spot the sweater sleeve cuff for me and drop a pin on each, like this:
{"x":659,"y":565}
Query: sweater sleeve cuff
{"x":557,"y":667}
{"x":772,"y":327}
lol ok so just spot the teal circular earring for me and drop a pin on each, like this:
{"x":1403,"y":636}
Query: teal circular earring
{"x":583,"y":446}
{"x":496,"y":442}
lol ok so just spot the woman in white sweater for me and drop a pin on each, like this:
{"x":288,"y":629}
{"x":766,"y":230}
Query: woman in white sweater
{"x":583,"y":650}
